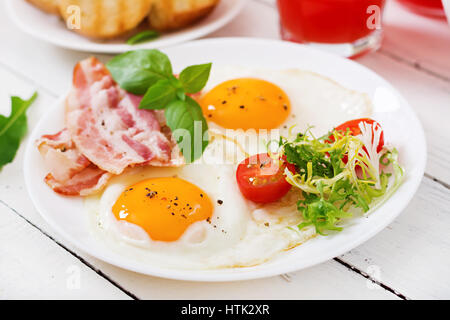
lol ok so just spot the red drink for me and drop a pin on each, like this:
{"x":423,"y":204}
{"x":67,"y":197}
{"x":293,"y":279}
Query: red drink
{"x":329,"y":21}
{"x":426,"y":7}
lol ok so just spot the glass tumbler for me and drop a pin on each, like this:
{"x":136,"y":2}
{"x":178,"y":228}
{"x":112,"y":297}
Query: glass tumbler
{"x":349,"y":28}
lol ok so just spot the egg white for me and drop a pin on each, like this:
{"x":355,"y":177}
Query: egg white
{"x":315,"y":100}
{"x":240,"y":233}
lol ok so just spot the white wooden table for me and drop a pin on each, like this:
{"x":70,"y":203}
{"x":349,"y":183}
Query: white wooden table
{"x":409,"y":259}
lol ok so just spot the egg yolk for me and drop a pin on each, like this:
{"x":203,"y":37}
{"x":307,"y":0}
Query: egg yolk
{"x":163,"y":207}
{"x":246,"y":103}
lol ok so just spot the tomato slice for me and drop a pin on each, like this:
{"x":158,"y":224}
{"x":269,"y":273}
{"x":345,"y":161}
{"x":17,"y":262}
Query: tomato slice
{"x":353,"y":127}
{"x":260,"y":178}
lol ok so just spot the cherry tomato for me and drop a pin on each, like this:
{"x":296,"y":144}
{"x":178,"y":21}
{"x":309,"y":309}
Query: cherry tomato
{"x":353,"y":126}
{"x":260,"y":178}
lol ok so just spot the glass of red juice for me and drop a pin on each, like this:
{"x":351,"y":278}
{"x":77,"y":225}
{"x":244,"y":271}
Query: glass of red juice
{"x":349,"y":28}
{"x":433,"y":8}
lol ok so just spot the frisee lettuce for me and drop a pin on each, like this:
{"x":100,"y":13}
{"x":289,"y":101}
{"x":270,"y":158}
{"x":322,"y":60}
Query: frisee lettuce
{"x":333,"y":188}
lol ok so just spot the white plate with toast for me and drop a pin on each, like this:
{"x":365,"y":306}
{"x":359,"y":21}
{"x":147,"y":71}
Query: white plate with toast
{"x":53,"y":29}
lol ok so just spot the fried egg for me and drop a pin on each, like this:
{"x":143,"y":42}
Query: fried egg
{"x":246,"y":103}
{"x":192,"y":217}
{"x":246,"y":98}
{"x":163,"y":207}
{"x":195,"y":217}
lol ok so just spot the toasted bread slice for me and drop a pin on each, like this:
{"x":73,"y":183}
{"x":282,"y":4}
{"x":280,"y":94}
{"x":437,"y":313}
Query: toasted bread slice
{"x":50,"y":6}
{"x":106,"y":18}
{"x":168,"y":15}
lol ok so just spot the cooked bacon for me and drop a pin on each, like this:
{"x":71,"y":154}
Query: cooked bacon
{"x":71,"y":173}
{"x":89,"y":181}
{"x":109,"y":129}
{"x":106,"y":133}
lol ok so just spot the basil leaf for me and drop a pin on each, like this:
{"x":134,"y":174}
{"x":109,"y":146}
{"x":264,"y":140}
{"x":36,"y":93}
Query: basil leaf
{"x":149,"y":73}
{"x":13,"y":128}
{"x":143,"y":36}
{"x":189,"y":127}
{"x":136,"y":71}
{"x":194,"y":78}
{"x":180,"y":94}
{"x":159,"y":95}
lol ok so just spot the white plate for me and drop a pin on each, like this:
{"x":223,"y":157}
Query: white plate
{"x":401,"y":126}
{"x":52,"y":29}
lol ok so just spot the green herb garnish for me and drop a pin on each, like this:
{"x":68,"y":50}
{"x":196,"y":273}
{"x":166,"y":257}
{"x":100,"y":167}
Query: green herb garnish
{"x":186,"y":120}
{"x":149,"y":73}
{"x":13,"y":128}
{"x":136,"y":71}
{"x":143,"y":36}
{"x":332,"y":188}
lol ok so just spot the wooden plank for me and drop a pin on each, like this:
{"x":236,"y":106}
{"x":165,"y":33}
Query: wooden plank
{"x":329,"y":280}
{"x":258,"y":19}
{"x":420,"y":41}
{"x":34,"y":267}
{"x":413,"y":253}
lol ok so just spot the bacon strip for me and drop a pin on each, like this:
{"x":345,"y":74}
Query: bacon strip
{"x":71,"y":173}
{"x":87,"y":182}
{"x":106,"y":133}
{"x":109,"y":129}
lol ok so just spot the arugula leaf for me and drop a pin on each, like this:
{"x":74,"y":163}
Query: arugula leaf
{"x":189,"y":127}
{"x":194,"y":78}
{"x":143,"y":36}
{"x":136,"y":71}
{"x":159,"y":95}
{"x":13,"y":128}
